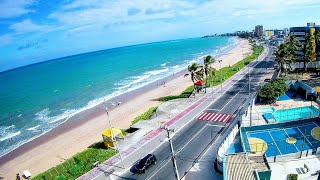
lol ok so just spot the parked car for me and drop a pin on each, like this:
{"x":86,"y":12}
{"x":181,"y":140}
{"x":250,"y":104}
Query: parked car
{"x":275,"y":66}
{"x":145,"y":162}
{"x":267,"y":80}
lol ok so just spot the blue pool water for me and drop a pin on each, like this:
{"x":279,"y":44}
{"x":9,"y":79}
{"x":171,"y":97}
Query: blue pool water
{"x":290,"y":114}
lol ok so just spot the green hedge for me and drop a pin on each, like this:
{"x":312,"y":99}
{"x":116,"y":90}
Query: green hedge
{"x":78,"y":164}
{"x":228,"y":72}
{"x":145,"y":115}
{"x":185,"y":94}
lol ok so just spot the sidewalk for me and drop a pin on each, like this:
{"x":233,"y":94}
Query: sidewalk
{"x":157,"y":136}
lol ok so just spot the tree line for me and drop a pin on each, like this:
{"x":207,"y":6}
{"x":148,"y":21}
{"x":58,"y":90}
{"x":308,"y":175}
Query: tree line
{"x":286,"y":53}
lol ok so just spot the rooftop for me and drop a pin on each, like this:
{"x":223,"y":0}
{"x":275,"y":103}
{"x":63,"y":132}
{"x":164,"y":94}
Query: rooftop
{"x":244,"y":165}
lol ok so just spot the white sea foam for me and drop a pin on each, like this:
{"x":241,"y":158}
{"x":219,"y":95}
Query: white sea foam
{"x":9,"y":136}
{"x":156,"y":72}
{"x":43,"y":115}
{"x":135,"y":83}
{"x":33,"y":128}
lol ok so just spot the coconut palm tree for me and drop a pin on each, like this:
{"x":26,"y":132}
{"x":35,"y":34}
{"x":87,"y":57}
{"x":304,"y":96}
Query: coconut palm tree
{"x":194,"y":74}
{"x":281,"y":55}
{"x":293,"y":44}
{"x":208,"y":70}
{"x":317,"y":38}
{"x":307,"y":51}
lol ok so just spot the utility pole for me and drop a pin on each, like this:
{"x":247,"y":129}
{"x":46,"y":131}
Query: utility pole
{"x":112,"y":134}
{"x":249,"y":79}
{"x":172,"y":151}
{"x":220,"y":75}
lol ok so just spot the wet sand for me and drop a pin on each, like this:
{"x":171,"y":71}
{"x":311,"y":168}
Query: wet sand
{"x":85,"y":128}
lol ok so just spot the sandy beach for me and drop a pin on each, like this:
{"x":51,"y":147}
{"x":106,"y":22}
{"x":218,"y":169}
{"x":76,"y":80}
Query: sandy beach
{"x":72,"y":137}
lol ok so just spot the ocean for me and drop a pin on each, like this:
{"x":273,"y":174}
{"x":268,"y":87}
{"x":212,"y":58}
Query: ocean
{"x":36,"y":98}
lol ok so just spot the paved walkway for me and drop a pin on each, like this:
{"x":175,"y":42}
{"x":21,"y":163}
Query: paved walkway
{"x":151,"y":140}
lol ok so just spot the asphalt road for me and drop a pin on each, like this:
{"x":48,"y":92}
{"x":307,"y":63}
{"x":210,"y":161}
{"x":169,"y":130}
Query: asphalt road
{"x":191,"y":142}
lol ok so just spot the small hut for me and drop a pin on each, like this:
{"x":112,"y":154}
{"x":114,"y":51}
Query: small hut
{"x":200,"y":85}
{"x":109,"y":137}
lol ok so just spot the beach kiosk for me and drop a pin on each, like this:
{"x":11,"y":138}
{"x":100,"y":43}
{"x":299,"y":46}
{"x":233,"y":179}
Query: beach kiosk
{"x":108,"y":139}
{"x":200,"y":85}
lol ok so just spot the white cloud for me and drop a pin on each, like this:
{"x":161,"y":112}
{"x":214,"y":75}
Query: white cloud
{"x":15,"y":8}
{"x":5,"y":39}
{"x":27,"y":26}
{"x":82,"y":13}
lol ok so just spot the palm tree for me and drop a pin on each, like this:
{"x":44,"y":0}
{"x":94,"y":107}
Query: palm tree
{"x":307,"y":50}
{"x":292,"y":46}
{"x":317,"y":38}
{"x":193,"y":72}
{"x":208,"y":70}
{"x":281,"y":55}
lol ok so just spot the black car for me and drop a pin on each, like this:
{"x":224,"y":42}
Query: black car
{"x":145,"y":162}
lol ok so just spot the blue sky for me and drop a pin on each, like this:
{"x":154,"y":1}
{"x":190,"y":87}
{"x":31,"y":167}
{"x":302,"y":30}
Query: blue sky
{"x":37,"y":30}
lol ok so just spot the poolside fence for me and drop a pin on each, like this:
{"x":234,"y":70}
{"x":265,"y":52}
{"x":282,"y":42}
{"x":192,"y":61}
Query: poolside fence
{"x":280,"y":115}
{"x":283,"y":150}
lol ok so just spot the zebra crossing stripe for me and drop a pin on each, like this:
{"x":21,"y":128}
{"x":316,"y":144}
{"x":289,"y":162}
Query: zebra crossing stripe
{"x":201,"y":115}
{"x":215,"y":117}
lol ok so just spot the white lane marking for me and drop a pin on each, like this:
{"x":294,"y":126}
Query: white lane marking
{"x":214,"y":109}
{"x":215,"y":125}
{"x":237,"y":75}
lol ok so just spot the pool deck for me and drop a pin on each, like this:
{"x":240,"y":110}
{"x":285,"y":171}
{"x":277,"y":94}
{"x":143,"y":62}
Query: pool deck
{"x":258,"y":119}
{"x":280,"y":170}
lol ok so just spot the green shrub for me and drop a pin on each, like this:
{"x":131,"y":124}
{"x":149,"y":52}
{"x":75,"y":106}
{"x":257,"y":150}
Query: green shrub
{"x":78,"y":164}
{"x":272,"y":90}
{"x":145,"y":115}
{"x":292,"y":176}
{"x":185,"y":94}
{"x":228,"y":72}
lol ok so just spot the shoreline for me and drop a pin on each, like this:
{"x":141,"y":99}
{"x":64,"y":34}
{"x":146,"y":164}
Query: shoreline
{"x":92,"y":112}
{"x":87,"y":117}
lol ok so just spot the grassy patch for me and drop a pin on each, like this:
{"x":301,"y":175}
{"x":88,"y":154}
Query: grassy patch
{"x":145,"y":115}
{"x":227,"y":72}
{"x":185,"y":94}
{"x":78,"y":164}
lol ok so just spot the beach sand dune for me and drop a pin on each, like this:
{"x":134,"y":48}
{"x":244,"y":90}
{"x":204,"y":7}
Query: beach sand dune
{"x":64,"y":144}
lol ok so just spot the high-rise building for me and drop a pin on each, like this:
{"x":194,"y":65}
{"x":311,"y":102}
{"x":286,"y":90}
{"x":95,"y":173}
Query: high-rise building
{"x":258,"y":31}
{"x":300,"y":33}
{"x":286,"y":32}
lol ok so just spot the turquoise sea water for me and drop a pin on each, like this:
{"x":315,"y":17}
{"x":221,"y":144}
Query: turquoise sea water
{"x":37,"y":98}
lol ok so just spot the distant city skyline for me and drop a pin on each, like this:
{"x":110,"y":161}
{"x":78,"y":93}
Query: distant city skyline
{"x":36,"y":30}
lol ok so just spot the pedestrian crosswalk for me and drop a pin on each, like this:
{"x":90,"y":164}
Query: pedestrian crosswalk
{"x":215,"y":117}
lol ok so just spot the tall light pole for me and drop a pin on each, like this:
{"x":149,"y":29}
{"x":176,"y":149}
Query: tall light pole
{"x":172,"y":151}
{"x":249,"y":78}
{"x":220,"y":74}
{"x":112,"y":134}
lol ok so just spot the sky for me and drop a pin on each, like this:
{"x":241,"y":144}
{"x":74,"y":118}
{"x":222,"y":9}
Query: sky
{"x":37,"y":30}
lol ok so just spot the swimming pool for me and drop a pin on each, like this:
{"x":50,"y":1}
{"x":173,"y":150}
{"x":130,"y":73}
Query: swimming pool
{"x":291,"y":114}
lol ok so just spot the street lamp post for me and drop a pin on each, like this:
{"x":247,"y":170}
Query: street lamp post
{"x":173,"y":156}
{"x":220,"y":74}
{"x":112,"y":134}
{"x":249,"y":79}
